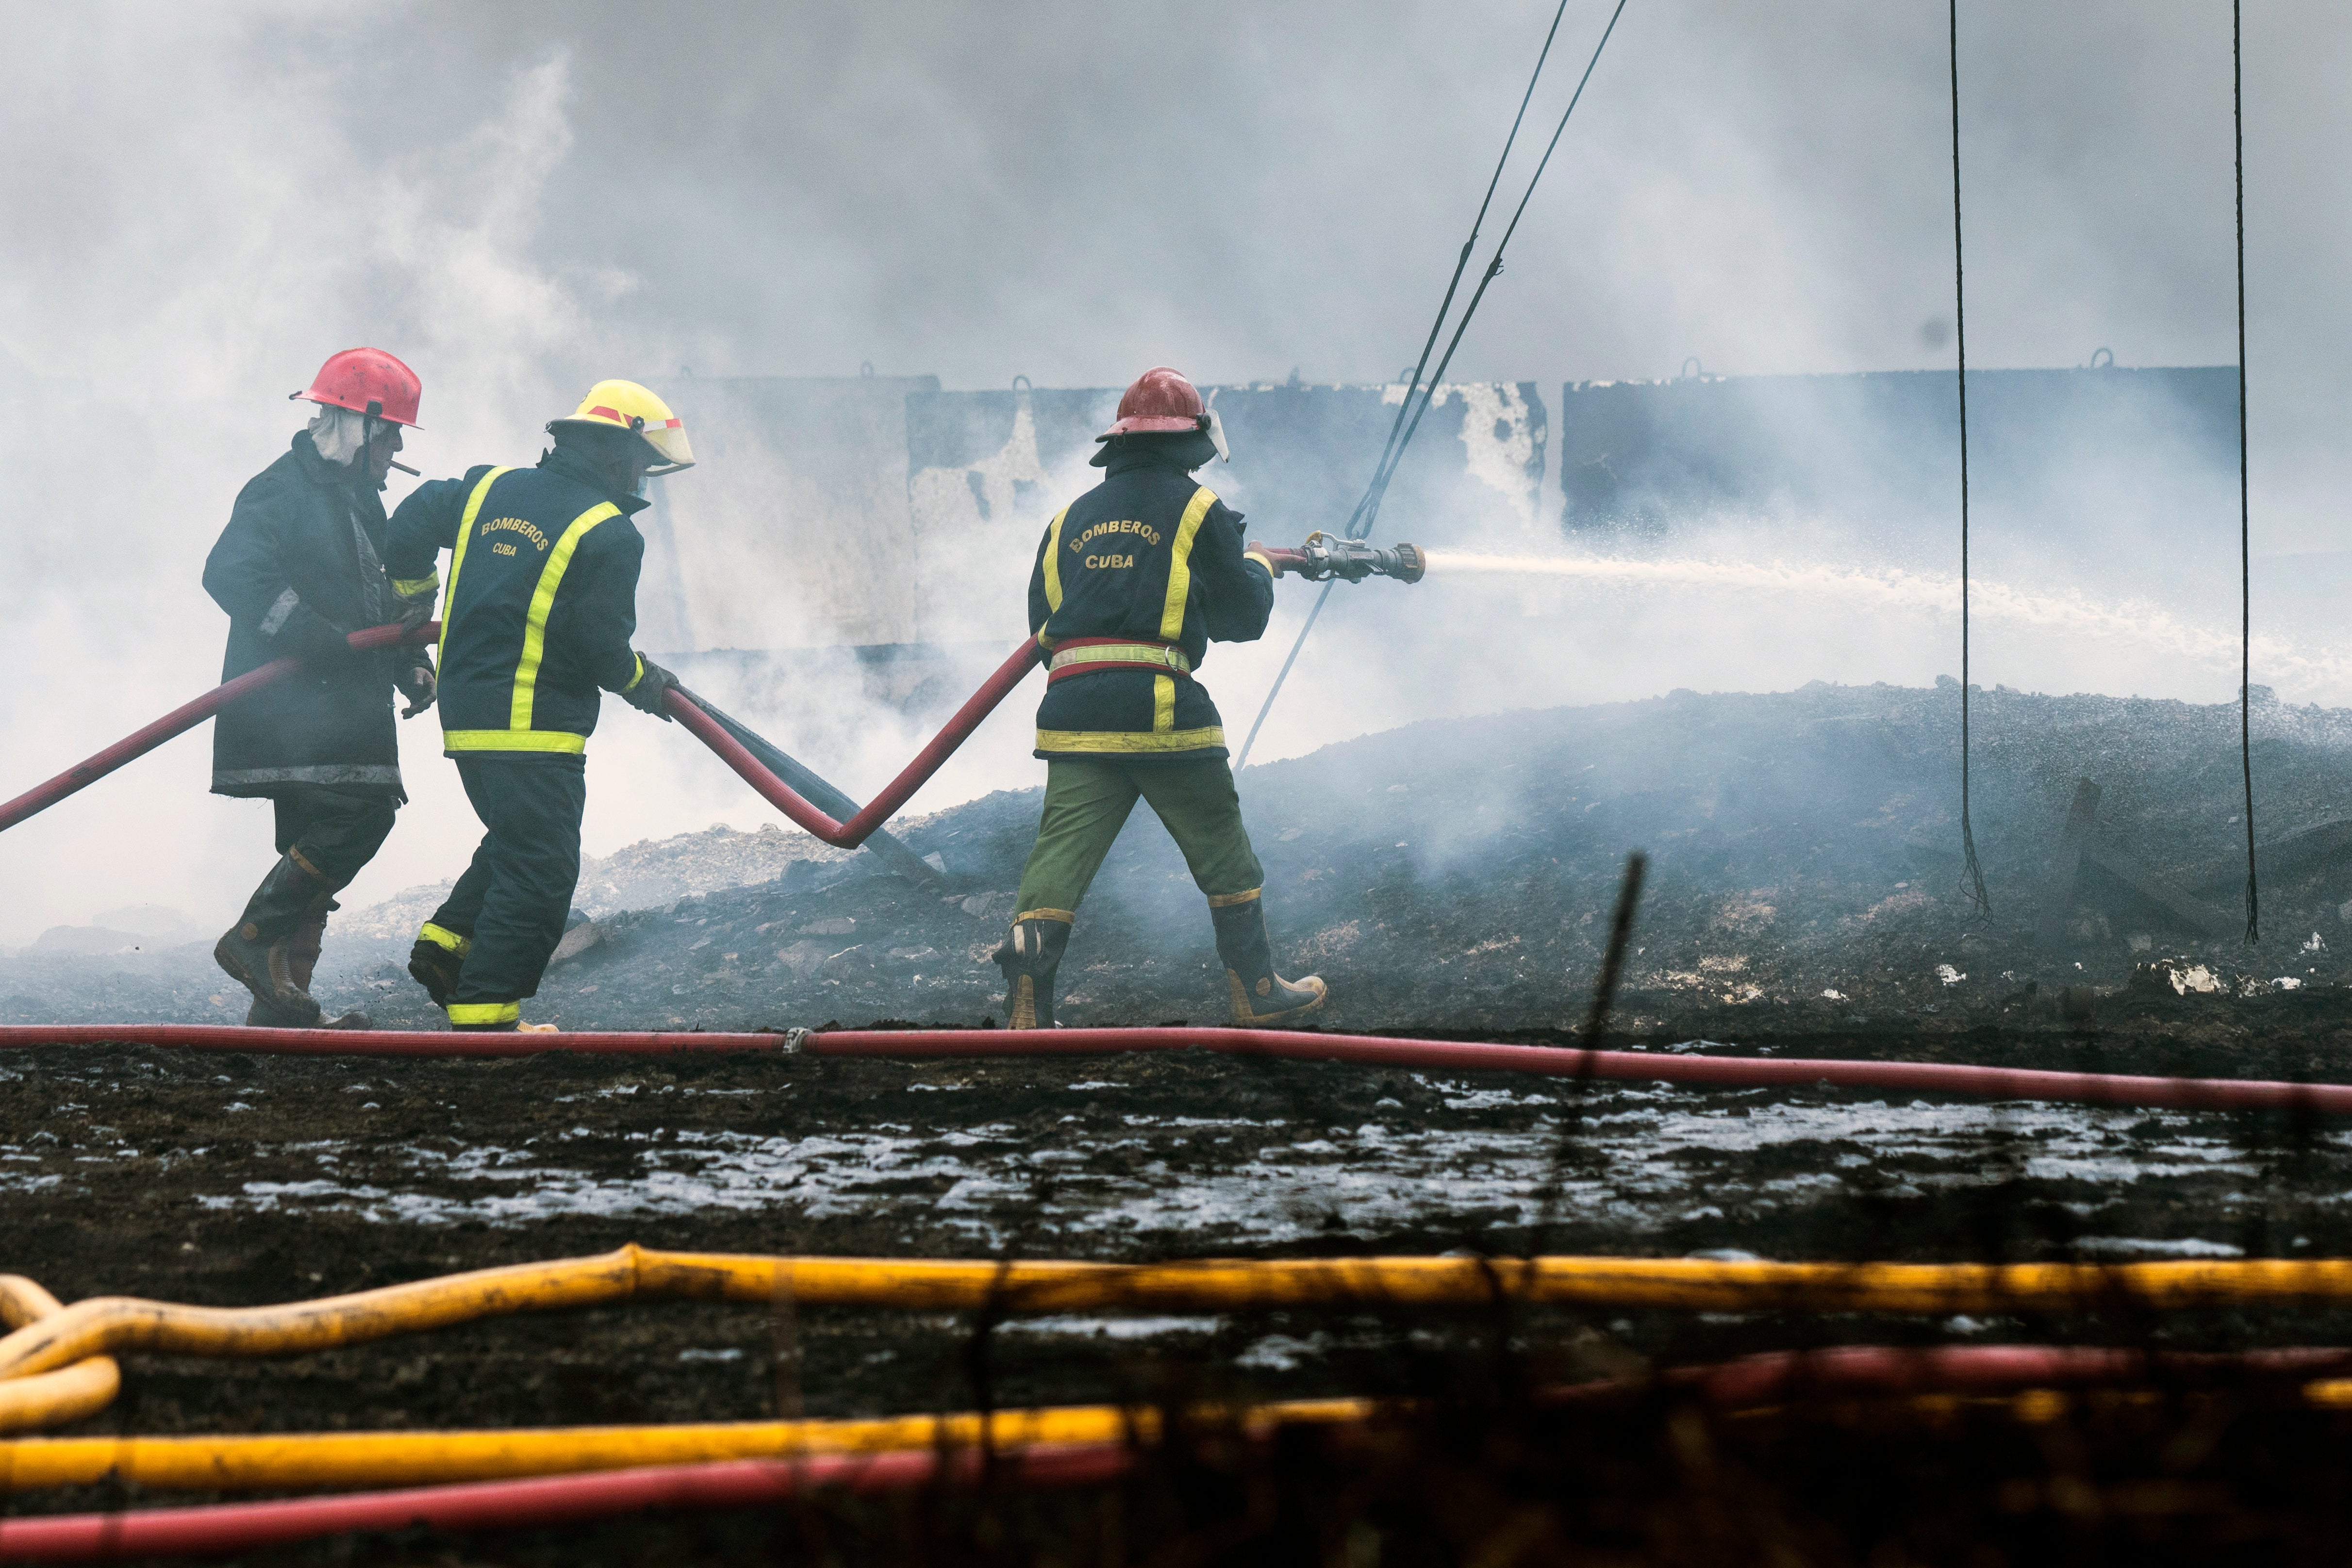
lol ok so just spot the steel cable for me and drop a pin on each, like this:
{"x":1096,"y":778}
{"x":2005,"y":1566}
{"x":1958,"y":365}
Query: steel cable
{"x":1402,"y":429}
{"x":1974,"y":886}
{"x":2245,"y":509}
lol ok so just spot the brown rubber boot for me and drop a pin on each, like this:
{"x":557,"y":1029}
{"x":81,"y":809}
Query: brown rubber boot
{"x":1259,"y":995}
{"x":257,"y":951}
{"x":301,"y":963}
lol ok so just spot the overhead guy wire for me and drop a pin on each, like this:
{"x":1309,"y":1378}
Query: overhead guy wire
{"x":2245,"y":509}
{"x":1400,"y":430}
{"x":1980,"y":901}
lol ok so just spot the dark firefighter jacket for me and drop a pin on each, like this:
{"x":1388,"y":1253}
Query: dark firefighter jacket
{"x":541,"y":603}
{"x":297,"y":568}
{"x":1132,"y":581}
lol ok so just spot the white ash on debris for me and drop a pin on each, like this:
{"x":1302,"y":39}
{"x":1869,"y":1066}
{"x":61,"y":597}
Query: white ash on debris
{"x":1458,"y":875}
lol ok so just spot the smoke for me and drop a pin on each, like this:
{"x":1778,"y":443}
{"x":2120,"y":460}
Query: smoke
{"x":518,"y":199}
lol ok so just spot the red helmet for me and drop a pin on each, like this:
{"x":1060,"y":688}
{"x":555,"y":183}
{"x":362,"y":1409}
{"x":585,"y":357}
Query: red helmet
{"x":369,"y":382}
{"x":1161,"y":399}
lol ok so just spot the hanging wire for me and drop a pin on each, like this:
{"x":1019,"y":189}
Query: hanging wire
{"x":1980,"y":902}
{"x":1370,"y":510}
{"x":2245,"y":509}
{"x":1461,"y":263}
{"x":1396,"y":426}
{"x":1402,"y":429}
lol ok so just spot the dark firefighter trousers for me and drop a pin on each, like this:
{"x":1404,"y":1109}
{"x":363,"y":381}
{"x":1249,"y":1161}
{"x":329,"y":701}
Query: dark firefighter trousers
{"x":332,"y":832}
{"x":1086,"y":803}
{"x":514,"y":900}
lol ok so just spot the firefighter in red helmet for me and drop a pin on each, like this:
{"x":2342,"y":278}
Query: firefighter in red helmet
{"x":1133,"y":581}
{"x":298,"y":566}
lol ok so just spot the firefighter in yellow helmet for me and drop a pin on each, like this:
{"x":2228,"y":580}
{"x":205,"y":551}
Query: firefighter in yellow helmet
{"x":536,"y":623}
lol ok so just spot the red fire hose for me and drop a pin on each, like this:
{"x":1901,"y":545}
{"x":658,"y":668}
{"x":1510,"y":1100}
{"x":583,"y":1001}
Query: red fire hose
{"x":1371,"y":1051}
{"x":1863,"y":1370}
{"x":538,"y":1500}
{"x":778,"y":793}
{"x":1775,"y":1378}
{"x":883,"y":807}
{"x":183,"y":719}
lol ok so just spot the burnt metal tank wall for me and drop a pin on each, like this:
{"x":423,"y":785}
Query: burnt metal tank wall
{"x":2141,"y":453}
{"x":792,"y":531}
{"x":881,"y":513}
{"x":987,"y":470}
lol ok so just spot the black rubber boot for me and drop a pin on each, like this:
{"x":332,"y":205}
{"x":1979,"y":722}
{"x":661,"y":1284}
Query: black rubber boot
{"x":436,"y":958}
{"x":1259,"y":995}
{"x":256,"y":952}
{"x":1031,"y":952}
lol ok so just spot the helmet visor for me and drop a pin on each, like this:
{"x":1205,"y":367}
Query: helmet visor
{"x":669,"y":444}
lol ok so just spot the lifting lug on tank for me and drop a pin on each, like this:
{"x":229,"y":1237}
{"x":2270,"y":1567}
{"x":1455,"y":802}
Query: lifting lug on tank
{"x":1325,"y":556}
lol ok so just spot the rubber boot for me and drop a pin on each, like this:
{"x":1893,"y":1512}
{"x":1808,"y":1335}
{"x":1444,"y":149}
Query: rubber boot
{"x":436,"y":958}
{"x":1259,"y":995}
{"x":256,"y":952}
{"x":1031,"y":952}
{"x":302,"y":962}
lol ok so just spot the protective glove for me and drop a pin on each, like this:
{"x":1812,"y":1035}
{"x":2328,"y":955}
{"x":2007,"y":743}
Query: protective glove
{"x":415,"y":612}
{"x":418,"y":685}
{"x":646,"y":695}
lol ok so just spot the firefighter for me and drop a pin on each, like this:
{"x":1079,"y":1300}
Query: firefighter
{"x":1132,"y":581}
{"x":298,"y":566}
{"x":535,"y":625}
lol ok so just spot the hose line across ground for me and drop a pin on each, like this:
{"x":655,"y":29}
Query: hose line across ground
{"x":833,"y":1452}
{"x":105,"y":1326}
{"x":1374,"y":1051}
{"x":302,"y":1460}
{"x":542,"y":1501}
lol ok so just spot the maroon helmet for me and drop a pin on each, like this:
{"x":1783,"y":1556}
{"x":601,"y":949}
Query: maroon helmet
{"x":1160,"y":402}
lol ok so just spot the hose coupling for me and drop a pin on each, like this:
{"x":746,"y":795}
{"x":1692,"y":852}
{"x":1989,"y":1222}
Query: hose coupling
{"x":1325,"y":556}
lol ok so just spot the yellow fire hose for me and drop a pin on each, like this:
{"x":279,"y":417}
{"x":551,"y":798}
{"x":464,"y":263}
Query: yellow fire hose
{"x":108,"y":1324}
{"x":49,"y":1398}
{"x":54,"y":1368}
{"x":303,"y":1460}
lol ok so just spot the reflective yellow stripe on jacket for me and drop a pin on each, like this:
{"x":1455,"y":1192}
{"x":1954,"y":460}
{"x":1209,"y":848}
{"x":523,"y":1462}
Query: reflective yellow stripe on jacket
{"x":518,"y":736}
{"x":1053,"y":568}
{"x":1115,"y":742}
{"x":458,"y":556}
{"x":1180,"y":564}
{"x":534,"y":630}
{"x":1121,"y":654}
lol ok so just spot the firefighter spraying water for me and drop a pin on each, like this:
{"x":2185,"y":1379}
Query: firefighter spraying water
{"x":1133,"y":581}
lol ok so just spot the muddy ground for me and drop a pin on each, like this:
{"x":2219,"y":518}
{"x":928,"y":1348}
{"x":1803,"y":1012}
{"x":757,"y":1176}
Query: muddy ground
{"x":238,"y":1180}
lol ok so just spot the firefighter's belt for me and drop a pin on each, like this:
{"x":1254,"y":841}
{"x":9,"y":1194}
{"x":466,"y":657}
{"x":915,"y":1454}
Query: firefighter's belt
{"x":1084,"y":655}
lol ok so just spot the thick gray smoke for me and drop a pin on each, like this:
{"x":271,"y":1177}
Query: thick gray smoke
{"x":518,"y":199}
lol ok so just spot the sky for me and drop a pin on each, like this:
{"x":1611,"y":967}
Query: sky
{"x":522,"y":198}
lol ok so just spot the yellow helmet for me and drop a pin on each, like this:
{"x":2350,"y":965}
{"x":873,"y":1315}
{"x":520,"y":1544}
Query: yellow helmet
{"x":626,"y":405}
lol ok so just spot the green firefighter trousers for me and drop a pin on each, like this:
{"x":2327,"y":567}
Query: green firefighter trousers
{"x":1086,"y":803}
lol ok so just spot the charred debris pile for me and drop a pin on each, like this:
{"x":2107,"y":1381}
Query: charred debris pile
{"x":1457,"y":875}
